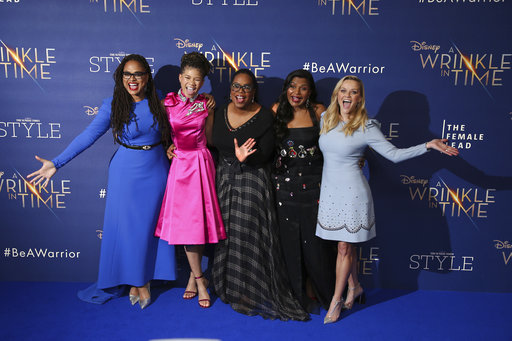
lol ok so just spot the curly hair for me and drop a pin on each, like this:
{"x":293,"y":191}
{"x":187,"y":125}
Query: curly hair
{"x":123,"y":104}
{"x":284,"y":112}
{"x":195,"y":60}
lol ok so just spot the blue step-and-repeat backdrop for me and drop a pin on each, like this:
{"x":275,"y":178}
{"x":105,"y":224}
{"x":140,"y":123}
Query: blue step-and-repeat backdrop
{"x":432,"y":68}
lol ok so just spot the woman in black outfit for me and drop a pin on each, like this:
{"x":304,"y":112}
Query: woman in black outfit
{"x":297,"y":173}
{"x":248,"y":270}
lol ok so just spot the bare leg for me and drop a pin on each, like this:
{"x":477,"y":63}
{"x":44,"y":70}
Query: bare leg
{"x":194,"y":256}
{"x":352,"y":279}
{"x":344,"y":267}
{"x":353,"y":283}
{"x":191,"y":289}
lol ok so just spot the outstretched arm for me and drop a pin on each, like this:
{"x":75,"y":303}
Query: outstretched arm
{"x":99,"y":126}
{"x":96,"y":128}
{"x":378,"y":142}
{"x":44,"y":173}
{"x":441,"y":146}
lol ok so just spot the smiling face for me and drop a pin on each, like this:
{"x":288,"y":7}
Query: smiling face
{"x":242,"y":91}
{"x":349,"y":97}
{"x":298,"y":92}
{"x":191,"y":80}
{"x":135,"y":83}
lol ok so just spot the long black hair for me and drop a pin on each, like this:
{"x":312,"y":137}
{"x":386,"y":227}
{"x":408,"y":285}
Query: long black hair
{"x":284,"y":112}
{"x":123,"y":104}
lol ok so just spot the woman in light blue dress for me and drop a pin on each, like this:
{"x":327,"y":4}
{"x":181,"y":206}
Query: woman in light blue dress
{"x":345,"y":211}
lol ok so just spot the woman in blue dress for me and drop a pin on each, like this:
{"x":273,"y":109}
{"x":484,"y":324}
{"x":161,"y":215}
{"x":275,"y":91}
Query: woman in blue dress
{"x":130,"y":254}
{"x":345,"y":212}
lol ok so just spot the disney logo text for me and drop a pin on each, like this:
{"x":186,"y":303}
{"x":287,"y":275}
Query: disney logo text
{"x":502,"y":245}
{"x":417,"y":46}
{"x":181,"y":44}
{"x":91,"y":110}
{"x":408,"y":180}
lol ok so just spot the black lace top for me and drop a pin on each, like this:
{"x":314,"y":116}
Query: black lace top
{"x":258,"y":127}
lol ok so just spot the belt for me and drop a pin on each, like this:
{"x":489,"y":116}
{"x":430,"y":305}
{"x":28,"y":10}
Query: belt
{"x":145,"y":147}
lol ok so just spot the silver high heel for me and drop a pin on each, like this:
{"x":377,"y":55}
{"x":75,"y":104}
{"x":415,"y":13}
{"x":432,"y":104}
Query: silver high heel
{"x":134,"y":299}
{"x":328,"y":318}
{"x":361,"y":298}
{"x":145,"y":302}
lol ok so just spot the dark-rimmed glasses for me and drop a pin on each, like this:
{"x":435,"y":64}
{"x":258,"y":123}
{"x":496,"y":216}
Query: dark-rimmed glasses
{"x":138,"y":75}
{"x":239,"y":87}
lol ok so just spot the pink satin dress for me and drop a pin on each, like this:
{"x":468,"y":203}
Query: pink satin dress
{"x":190,"y":213}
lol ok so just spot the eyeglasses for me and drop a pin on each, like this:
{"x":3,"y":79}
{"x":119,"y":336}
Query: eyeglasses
{"x":138,"y":75}
{"x":239,"y":87}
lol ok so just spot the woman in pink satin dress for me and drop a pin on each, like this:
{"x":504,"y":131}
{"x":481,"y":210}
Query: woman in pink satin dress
{"x":190,"y":213}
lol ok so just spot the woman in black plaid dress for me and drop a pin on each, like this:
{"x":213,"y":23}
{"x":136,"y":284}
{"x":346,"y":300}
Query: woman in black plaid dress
{"x":248,"y":270}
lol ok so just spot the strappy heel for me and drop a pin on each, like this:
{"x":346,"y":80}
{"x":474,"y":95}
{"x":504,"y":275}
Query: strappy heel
{"x":361,"y":298}
{"x":208,"y":304}
{"x":190,"y":292}
{"x":328,"y":318}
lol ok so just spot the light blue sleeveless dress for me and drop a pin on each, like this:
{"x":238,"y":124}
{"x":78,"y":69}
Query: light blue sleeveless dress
{"x":345,"y":210}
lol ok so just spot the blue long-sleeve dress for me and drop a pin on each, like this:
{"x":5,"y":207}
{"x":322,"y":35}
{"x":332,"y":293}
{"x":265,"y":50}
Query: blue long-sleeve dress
{"x":130,"y":254}
{"x":345,"y":210}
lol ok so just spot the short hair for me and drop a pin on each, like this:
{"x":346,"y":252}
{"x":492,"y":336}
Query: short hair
{"x":253,"y":79}
{"x":195,"y":60}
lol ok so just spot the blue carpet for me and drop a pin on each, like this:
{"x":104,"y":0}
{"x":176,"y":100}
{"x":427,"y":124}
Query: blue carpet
{"x":51,"y":311}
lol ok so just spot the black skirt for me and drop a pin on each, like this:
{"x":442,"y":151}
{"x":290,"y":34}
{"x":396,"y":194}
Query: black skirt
{"x":306,"y":255}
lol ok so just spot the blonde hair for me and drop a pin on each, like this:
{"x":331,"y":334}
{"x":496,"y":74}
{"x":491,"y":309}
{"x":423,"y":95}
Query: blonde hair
{"x":332,"y":116}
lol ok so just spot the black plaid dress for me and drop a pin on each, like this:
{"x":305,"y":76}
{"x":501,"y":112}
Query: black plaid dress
{"x":248,"y":270}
